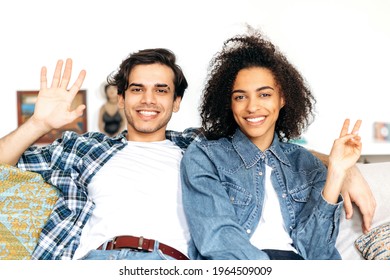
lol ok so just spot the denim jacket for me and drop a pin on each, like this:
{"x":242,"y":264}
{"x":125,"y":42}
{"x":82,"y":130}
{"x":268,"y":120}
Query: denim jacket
{"x":223,"y":194}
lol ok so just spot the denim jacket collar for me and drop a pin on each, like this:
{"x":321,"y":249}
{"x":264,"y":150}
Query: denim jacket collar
{"x":251,"y":154}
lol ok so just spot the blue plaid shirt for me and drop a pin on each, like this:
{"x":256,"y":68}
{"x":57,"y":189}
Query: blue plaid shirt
{"x":69,"y":163}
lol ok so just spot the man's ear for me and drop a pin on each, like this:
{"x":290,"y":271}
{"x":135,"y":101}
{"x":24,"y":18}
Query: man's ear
{"x":121,"y":101}
{"x":176,"y":104}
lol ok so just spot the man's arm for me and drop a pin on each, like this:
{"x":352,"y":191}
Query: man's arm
{"x":322,"y":157}
{"x":52,"y":110}
{"x":356,"y":189}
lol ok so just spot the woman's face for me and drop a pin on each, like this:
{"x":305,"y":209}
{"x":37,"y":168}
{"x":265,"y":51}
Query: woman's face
{"x":112,"y":93}
{"x":256,"y":102}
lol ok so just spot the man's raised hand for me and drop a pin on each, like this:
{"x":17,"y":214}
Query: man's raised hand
{"x":53,"y":106}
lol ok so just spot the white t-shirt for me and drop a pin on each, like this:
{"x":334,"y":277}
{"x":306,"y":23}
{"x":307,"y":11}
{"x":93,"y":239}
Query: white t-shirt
{"x":271,"y":231}
{"x":138,"y":192}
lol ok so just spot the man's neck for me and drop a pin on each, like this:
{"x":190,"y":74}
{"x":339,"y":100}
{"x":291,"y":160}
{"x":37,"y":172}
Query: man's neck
{"x":146,"y":137}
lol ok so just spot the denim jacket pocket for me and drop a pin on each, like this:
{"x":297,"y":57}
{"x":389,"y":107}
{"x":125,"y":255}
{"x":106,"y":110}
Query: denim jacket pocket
{"x":301,"y":193}
{"x":239,"y":197}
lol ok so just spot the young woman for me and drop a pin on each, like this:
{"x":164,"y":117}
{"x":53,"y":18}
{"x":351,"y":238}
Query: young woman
{"x":112,"y":119}
{"x":247,"y":192}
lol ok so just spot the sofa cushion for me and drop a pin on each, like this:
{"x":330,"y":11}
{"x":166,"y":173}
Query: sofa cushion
{"x":26,"y":201}
{"x":375,"y":245}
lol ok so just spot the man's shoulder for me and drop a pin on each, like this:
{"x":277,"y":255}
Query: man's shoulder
{"x":184,"y":138}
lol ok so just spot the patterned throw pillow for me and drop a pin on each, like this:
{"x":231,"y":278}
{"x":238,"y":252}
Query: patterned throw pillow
{"x":26,"y":201}
{"x":375,"y":245}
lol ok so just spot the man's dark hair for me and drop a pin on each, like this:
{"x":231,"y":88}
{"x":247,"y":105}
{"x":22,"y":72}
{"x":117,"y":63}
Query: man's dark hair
{"x":120,"y":78}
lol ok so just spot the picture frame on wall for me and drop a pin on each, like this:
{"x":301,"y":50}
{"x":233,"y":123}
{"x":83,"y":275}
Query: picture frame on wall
{"x":26,"y":105}
{"x":382,"y":131}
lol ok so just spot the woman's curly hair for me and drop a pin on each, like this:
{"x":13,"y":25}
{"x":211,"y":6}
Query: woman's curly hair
{"x":245,"y":51}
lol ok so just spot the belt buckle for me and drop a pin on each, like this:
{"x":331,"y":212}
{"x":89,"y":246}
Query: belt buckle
{"x":112,"y":244}
{"x":140,"y":243}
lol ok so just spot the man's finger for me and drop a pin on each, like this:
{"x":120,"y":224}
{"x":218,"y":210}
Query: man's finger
{"x":78,"y":83}
{"x":347,"y":206}
{"x":43,"y":78}
{"x":57,"y":74}
{"x":67,"y":73}
{"x":366,"y":224}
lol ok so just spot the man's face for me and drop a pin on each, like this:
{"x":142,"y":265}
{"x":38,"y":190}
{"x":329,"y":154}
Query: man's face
{"x":149,"y":102}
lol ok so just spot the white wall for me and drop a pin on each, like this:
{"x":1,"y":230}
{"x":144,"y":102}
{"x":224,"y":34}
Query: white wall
{"x":341,"y":47}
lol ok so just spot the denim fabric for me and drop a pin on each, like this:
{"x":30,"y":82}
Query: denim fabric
{"x":282,"y":255}
{"x":126,"y":254}
{"x":223,"y":193}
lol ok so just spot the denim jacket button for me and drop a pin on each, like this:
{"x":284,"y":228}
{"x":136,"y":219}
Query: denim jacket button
{"x":284,"y":195}
{"x":248,"y":231}
{"x":261,"y":173}
{"x":231,"y":199}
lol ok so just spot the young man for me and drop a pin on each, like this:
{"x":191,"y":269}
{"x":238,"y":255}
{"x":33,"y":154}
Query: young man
{"x":118,"y":192}
{"x":122,"y":186}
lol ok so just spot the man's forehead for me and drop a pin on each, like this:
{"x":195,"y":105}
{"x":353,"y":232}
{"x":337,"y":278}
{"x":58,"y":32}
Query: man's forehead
{"x":151,"y":75}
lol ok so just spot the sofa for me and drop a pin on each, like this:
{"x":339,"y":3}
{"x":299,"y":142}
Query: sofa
{"x":26,"y":202}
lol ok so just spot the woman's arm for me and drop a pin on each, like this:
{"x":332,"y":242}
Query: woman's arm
{"x":355,"y":189}
{"x":211,"y":217}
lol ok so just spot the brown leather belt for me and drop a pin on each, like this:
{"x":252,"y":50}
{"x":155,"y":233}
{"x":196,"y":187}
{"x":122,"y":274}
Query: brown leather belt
{"x":141,"y":244}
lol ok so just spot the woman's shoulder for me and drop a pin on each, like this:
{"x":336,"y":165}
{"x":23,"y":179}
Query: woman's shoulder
{"x":203,"y":145}
{"x":221,"y":143}
{"x":301,"y":156}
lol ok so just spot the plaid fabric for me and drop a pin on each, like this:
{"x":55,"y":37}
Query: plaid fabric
{"x":69,"y":163}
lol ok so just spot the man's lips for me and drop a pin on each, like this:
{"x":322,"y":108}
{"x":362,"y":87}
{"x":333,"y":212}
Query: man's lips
{"x":147,"y":113}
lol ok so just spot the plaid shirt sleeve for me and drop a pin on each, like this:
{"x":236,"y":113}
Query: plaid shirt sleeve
{"x":185,"y":138}
{"x":68,"y":164}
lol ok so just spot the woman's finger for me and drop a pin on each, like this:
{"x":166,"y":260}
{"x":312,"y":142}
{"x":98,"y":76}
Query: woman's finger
{"x":356,"y":127}
{"x":344,"y":130}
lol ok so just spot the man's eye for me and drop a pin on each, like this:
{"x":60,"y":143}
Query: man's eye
{"x":136,"y":89}
{"x":161,"y":90}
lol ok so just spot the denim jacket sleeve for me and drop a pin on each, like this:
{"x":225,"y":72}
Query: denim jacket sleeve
{"x":315,"y":237}
{"x":215,"y":231}
{"x":317,"y":228}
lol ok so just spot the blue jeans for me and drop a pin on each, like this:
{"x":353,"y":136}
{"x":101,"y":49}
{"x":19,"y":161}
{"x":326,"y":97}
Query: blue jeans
{"x":126,"y":254}
{"x":282,"y":255}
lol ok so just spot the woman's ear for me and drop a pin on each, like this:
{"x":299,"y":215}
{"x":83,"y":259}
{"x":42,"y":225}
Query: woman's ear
{"x":282,"y":102}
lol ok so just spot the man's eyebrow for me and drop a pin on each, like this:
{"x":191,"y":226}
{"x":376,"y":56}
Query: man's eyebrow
{"x":156,"y":85}
{"x":162,"y":86}
{"x":135,"y":85}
